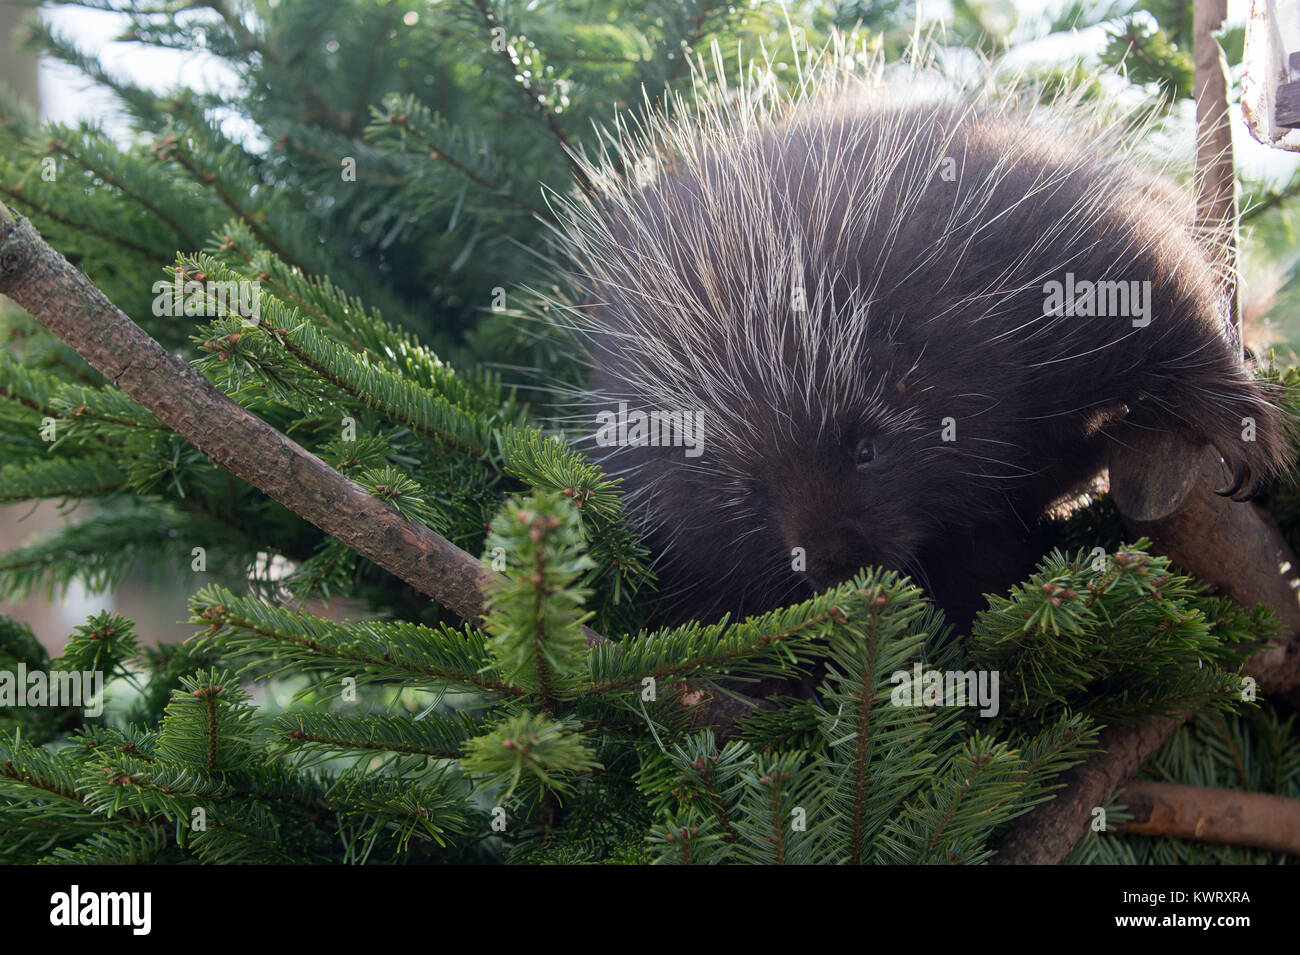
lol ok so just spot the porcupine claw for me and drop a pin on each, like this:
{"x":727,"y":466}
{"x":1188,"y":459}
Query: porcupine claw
{"x":1254,"y":488}
{"x":1240,"y":473}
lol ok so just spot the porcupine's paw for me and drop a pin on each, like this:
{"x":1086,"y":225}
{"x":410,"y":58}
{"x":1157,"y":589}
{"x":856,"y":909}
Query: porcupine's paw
{"x":1250,"y":433}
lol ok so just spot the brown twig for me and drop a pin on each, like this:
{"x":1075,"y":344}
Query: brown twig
{"x":439,"y":154}
{"x":1213,"y":815}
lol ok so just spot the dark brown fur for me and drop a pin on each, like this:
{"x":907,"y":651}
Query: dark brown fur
{"x":1035,"y":401}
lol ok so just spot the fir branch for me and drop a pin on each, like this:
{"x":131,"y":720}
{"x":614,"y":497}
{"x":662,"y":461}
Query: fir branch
{"x":137,"y":196}
{"x":434,"y":809}
{"x":78,"y":403}
{"x":769,"y":644}
{"x":17,"y":195}
{"x":143,"y":104}
{"x":394,"y":650}
{"x":536,"y":617}
{"x":41,"y":280}
{"x":529,"y":746}
{"x":169,"y":148}
{"x":287,"y":142}
{"x":1047,"y":835}
{"x":60,"y":477}
{"x":438,"y":151}
{"x":27,"y":387}
{"x":484,"y":8}
{"x":231,"y":18}
{"x":1197,"y":757}
{"x":348,"y":320}
{"x":135,"y":846}
{"x":329,"y":734}
{"x":393,"y":395}
{"x":389,"y":394}
{"x":384,"y":24}
{"x":44,"y":795}
{"x":542,"y":461}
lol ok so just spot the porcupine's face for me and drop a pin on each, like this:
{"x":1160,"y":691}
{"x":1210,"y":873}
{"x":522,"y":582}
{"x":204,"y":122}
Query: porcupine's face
{"x":762,"y":285}
{"x":790,"y":492}
{"x":827,"y":505}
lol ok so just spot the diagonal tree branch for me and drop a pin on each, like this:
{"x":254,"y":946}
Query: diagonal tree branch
{"x":39,"y":279}
{"x":63,"y":300}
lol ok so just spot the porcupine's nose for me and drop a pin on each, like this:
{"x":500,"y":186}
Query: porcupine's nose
{"x":832,"y":558}
{"x":819,"y":519}
{"x":833,"y":569}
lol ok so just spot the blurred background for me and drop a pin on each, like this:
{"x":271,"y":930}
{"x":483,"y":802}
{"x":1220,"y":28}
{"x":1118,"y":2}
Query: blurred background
{"x":357,"y":68}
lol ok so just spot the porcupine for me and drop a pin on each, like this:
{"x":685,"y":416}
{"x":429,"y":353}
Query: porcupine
{"x":852,"y":292}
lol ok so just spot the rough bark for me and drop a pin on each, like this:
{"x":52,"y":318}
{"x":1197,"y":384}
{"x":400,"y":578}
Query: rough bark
{"x":1213,"y":815}
{"x":1046,"y":835}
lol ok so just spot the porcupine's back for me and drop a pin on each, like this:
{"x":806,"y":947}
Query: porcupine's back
{"x":851,"y":294}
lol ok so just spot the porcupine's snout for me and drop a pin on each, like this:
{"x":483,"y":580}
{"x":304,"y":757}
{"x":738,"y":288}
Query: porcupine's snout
{"x":831,"y":532}
{"x":833,"y":555}
{"x":832,"y":562}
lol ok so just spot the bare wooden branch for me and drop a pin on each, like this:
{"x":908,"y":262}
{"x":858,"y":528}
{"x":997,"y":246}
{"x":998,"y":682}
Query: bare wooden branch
{"x":1216,"y":181}
{"x":1229,"y":816}
{"x":1046,"y":835}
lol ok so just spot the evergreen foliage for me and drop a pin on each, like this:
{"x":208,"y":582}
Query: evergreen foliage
{"x":377,"y":177}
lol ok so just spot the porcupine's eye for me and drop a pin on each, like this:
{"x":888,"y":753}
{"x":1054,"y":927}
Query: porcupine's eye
{"x":864,"y":454}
